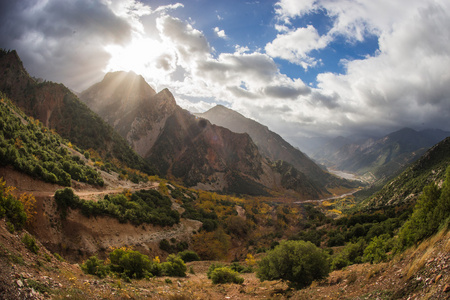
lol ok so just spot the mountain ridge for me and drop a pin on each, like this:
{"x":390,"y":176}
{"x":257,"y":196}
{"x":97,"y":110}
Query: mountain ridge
{"x":60,"y":109}
{"x":270,"y":143}
{"x":187,"y":147}
{"x":379,"y":158}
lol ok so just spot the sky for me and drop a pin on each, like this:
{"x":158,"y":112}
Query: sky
{"x":304,"y":68}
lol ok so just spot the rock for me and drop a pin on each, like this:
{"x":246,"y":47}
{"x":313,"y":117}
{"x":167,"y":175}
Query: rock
{"x":19,"y":283}
{"x":437,"y":278}
{"x":446,"y":288}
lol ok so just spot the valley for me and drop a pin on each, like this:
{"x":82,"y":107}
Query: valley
{"x":119,"y":193}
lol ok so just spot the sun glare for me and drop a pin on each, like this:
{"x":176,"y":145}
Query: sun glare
{"x":139,"y":56}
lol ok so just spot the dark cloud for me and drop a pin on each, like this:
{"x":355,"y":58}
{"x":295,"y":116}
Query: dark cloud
{"x":242,"y":93}
{"x":62,"y":41}
{"x":329,"y":101}
{"x":286,"y":92}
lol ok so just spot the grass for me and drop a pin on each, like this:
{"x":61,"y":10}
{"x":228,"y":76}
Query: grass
{"x":424,"y":251}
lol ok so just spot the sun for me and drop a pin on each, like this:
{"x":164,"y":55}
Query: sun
{"x":139,"y":56}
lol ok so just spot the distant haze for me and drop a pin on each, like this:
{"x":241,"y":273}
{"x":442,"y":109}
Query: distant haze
{"x":303,"y":68}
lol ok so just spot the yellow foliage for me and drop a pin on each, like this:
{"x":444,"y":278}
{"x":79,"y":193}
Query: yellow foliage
{"x":98,"y":163}
{"x":163,"y":189}
{"x":156,"y":260}
{"x":18,"y":143}
{"x":29,"y":205}
{"x":69,"y":144}
{"x":212,"y":245}
{"x":4,"y":188}
{"x":127,"y":193}
{"x":250,"y":260}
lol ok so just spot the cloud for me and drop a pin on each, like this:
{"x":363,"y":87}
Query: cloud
{"x":189,"y":43}
{"x":58,"y":39}
{"x":220,"y":33}
{"x":295,"y":46}
{"x":286,"y":92}
{"x":404,"y":83}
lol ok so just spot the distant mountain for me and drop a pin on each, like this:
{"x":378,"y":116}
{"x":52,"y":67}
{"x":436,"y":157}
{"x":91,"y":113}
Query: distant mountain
{"x":269,"y":143}
{"x":60,"y":109}
{"x":184,"y":146}
{"x":405,"y":188}
{"x":379,"y":158}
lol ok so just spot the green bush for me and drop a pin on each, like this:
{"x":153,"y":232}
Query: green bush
{"x":225,"y":275}
{"x":352,"y":253}
{"x":212,"y":267}
{"x":145,"y":206}
{"x":133,"y":264}
{"x":95,"y":266}
{"x":377,"y":249}
{"x":431,"y":211}
{"x":298,"y":262}
{"x":30,"y":243}
{"x":188,"y":256}
{"x":174,"y":266}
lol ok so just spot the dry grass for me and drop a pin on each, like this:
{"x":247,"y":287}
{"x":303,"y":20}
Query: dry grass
{"x":425,"y":251}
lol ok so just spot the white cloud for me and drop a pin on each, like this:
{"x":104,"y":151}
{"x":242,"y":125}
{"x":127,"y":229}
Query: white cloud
{"x":220,"y":33}
{"x":295,"y":46}
{"x":405,"y":83}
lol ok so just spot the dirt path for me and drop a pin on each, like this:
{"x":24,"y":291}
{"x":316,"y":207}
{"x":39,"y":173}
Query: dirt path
{"x":329,"y":198}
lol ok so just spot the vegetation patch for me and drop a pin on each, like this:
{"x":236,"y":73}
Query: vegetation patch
{"x":145,"y":206}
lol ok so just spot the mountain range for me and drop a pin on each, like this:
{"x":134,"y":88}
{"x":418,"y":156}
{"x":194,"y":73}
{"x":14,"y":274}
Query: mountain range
{"x":190,"y":148}
{"x":378,"y":158}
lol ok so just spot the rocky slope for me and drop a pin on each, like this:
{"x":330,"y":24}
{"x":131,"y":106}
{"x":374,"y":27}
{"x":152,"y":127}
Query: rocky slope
{"x":184,"y":146}
{"x":269,"y":143}
{"x":406,"y":188}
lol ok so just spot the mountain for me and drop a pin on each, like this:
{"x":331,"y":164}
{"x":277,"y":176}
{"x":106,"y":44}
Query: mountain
{"x":405,"y":188}
{"x":184,"y":146}
{"x":60,"y":109}
{"x":379,"y":158}
{"x":269,"y":143}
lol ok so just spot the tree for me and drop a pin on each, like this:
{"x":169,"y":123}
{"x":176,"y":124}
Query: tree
{"x":298,"y":262}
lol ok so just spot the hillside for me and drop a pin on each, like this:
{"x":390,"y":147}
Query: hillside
{"x":185,"y":147}
{"x":405,"y":188}
{"x":270,"y":144}
{"x":98,"y":221}
{"x":378,"y":158}
{"x":58,"y":108}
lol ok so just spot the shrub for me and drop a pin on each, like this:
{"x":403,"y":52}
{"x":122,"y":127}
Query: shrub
{"x":431,"y":211}
{"x":212,"y":267}
{"x":30,"y":243}
{"x":174,"y":266}
{"x":11,"y":207}
{"x":225,"y":275}
{"x":188,"y":256}
{"x":297,"y":262}
{"x":352,"y":253}
{"x":133,"y":264}
{"x":376,"y":251}
{"x":95,"y":266}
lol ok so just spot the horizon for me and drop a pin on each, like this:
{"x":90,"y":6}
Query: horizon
{"x":303,"y":69}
